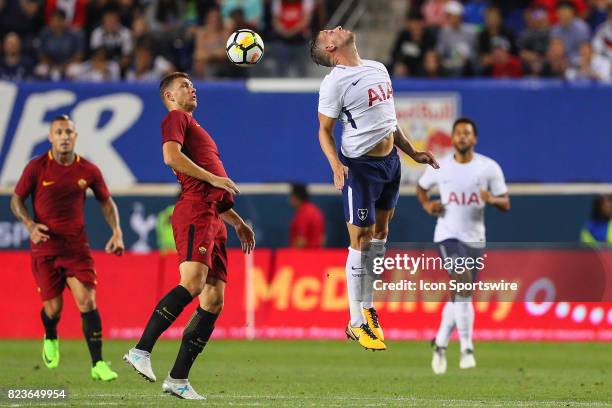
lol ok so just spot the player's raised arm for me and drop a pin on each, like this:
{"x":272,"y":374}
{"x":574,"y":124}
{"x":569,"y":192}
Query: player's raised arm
{"x":402,"y":142}
{"x":243,"y":230}
{"x":328,"y":145}
{"x":179,"y":162}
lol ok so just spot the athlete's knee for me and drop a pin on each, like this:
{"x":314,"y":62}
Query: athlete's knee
{"x":381,"y":233}
{"x":193,"y":279}
{"x":211,"y":300}
{"x":53,"y":308}
{"x":86,"y":303}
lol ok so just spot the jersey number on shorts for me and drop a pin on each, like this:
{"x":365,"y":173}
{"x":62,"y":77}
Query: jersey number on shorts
{"x":349,"y":117}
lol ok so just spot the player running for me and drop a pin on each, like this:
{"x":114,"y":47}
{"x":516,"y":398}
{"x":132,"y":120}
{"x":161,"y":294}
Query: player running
{"x":467,"y":182}
{"x":57,"y":181}
{"x":206,"y":201}
{"x":367,"y":168}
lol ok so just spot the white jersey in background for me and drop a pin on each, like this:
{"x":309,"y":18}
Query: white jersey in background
{"x":460,"y":186}
{"x":362,"y":98}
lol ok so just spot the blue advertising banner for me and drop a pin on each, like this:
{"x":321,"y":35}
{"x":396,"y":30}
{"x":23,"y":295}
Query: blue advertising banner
{"x":538,"y":131}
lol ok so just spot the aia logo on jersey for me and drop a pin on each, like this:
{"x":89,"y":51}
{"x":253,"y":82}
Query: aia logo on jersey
{"x":463,"y":198}
{"x":380,"y":93}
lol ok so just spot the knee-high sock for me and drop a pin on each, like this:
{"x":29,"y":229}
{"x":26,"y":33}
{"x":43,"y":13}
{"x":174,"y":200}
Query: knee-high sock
{"x":355,"y":272}
{"x":447,"y":325}
{"x":464,"y":319}
{"x":377,"y":249}
{"x":92,"y":330}
{"x":50,"y":325}
{"x":165,"y":313}
{"x":195,"y":337}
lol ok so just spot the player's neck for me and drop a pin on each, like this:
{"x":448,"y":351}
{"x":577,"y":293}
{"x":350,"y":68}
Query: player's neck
{"x":464,"y":158}
{"x":350,"y":58}
{"x":65,"y":159}
{"x":189,"y":112}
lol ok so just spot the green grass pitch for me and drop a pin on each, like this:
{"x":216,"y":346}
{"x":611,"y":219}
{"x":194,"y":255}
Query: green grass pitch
{"x":327,"y":373}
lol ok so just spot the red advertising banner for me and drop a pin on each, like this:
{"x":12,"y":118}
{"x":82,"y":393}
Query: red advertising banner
{"x":302,"y":294}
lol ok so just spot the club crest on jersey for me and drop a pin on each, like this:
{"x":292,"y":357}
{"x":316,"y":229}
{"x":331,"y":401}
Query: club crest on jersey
{"x":202,"y":250}
{"x":362,"y":213}
{"x":82,"y":183}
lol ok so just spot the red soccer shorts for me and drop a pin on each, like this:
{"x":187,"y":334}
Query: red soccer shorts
{"x":200,"y":236}
{"x":51,"y":271}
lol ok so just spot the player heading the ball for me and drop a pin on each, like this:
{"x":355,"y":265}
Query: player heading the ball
{"x":359,"y":93}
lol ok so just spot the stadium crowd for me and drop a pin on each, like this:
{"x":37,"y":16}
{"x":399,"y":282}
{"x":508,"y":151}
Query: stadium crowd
{"x":506,"y":39}
{"x":141,"y":40}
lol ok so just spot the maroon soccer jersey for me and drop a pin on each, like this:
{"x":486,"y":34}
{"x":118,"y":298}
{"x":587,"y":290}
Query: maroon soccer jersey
{"x":58,"y":197}
{"x":197,"y":144}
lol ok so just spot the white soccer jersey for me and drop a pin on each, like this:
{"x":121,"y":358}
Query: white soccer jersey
{"x":460,"y":185}
{"x":362,"y":98}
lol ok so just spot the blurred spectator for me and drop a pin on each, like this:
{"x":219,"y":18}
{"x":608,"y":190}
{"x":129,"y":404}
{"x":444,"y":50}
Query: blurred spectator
{"x":291,"y":21}
{"x":252,"y":11}
{"x":493,"y":30}
{"x":238,"y":21}
{"x":141,"y":31}
{"x":59,"y":47}
{"x":198,"y":67}
{"x":14,"y":66}
{"x":146,"y":67}
{"x":572,"y":30}
{"x":434,"y":12}
{"x":410,"y":46}
{"x":210,"y":43}
{"x":431,"y":68}
{"x":556,"y":60}
{"x":533,"y":41}
{"x":307,"y":228}
{"x":503,"y":64}
{"x":598,"y":229}
{"x":75,"y":11}
{"x":456,"y":42}
{"x":602,"y":41}
{"x":97,"y":69}
{"x":551,"y":6}
{"x":23,"y":17}
{"x":114,"y":37}
{"x":597,"y":13}
{"x":590,"y":66}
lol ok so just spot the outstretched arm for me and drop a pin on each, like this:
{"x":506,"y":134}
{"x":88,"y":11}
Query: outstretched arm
{"x":243,"y":230}
{"x":111,"y":216}
{"x":179,"y":162}
{"x":402,"y":142}
{"x":37,"y":231}
{"x":328,"y":145}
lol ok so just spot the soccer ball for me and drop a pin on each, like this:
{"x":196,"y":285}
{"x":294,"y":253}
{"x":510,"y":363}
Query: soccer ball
{"x":244,"y":47}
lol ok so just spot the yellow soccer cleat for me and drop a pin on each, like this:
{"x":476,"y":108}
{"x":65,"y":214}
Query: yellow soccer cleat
{"x":373,"y":323}
{"x":365,"y":337}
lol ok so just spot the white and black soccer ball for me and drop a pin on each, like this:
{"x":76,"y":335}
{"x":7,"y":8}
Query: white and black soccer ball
{"x":244,"y":47}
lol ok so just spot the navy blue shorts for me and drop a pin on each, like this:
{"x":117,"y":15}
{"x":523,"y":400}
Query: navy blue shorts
{"x":453,"y":248}
{"x":373,"y":182}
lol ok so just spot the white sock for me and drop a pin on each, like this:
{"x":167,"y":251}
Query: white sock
{"x":354,"y":279}
{"x":464,"y":319}
{"x":377,"y":250}
{"x":447,"y":325}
